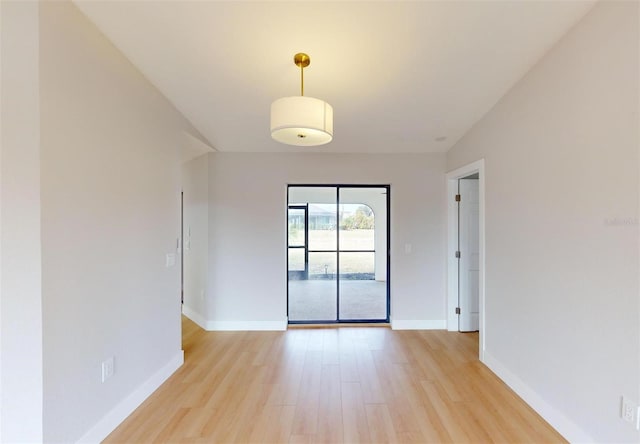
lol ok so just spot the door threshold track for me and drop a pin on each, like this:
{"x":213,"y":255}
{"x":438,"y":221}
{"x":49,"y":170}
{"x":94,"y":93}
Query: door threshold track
{"x":342,"y":324}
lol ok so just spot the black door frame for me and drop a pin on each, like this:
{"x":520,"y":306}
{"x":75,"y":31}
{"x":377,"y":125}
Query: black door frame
{"x":304,"y":274}
{"x":387,"y":187}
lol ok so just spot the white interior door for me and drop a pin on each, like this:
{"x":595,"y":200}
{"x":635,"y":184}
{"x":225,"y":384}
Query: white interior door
{"x":469,"y":247}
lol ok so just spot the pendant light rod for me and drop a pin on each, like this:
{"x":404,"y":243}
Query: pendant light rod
{"x":302,"y":60}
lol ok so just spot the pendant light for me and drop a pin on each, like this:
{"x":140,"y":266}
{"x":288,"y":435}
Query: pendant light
{"x":300,"y":120}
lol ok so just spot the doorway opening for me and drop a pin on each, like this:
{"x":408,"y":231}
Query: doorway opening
{"x":338,"y":253}
{"x":466,"y":250}
{"x":467,"y":253}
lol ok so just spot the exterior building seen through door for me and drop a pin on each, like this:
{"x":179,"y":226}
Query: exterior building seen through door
{"x":337,"y":241}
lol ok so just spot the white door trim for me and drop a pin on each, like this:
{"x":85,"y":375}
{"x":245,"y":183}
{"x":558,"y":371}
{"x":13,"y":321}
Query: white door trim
{"x":452,"y":246}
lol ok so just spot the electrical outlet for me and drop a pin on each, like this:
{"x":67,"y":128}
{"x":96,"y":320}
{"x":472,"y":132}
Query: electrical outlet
{"x":108,"y":369}
{"x":628,"y":411}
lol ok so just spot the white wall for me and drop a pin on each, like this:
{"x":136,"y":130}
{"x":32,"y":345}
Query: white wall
{"x":561,"y":159}
{"x":247,"y":216}
{"x":110,"y":213}
{"x":20,"y":290}
{"x":195,"y":186}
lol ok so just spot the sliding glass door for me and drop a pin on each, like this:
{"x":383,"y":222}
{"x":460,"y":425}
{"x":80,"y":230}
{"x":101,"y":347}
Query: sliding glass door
{"x":338,"y":246}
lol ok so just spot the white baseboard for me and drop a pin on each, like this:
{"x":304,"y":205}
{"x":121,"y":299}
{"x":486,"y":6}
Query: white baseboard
{"x":418,"y":324}
{"x":233,"y":325}
{"x":567,"y":428}
{"x":194,"y":316}
{"x":120,"y":412}
{"x":247,"y":325}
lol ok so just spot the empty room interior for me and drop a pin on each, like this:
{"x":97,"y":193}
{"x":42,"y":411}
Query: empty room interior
{"x":320,"y":221}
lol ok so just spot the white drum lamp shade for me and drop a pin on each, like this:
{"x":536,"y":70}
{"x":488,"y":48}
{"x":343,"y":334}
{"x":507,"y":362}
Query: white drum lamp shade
{"x":301,"y":121}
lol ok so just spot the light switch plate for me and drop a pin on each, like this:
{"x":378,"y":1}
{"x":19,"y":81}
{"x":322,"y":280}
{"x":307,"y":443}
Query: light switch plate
{"x":629,"y":411}
{"x":170,"y":260}
{"x":108,"y":368}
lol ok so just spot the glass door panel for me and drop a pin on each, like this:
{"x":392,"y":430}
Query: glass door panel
{"x":315,"y":297}
{"x":361,"y":296}
{"x":363,"y":251}
{"x":323,"y":234}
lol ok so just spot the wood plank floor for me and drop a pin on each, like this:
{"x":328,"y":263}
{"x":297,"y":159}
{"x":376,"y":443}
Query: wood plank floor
{"x":338,"y":385}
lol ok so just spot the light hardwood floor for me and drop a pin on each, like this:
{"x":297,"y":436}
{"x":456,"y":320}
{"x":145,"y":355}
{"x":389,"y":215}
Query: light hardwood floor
{"x":337,"y":385}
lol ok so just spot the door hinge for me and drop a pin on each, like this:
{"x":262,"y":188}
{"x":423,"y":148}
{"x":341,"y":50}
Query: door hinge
{"x":457,"y":310}
{"x":457,"y":198}
{"x":457,"y":255}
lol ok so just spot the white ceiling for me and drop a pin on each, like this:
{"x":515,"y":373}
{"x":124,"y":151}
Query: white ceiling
{"x":399,"y":75}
